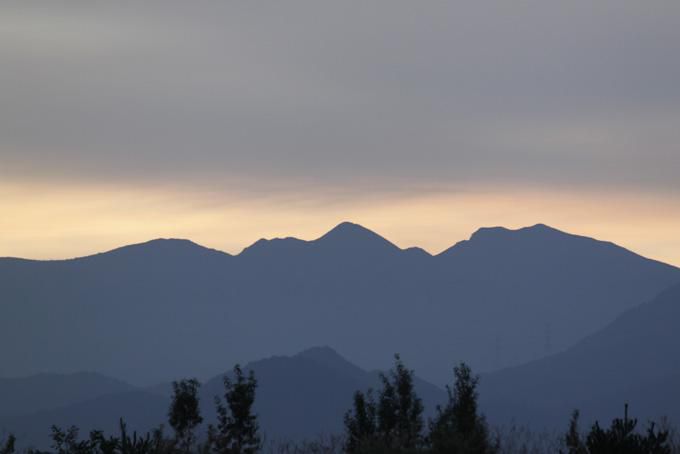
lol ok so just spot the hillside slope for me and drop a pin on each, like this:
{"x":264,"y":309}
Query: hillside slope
{"x":300,"y":396}
{"x":636,"y":359}
{"x":171,"y":308}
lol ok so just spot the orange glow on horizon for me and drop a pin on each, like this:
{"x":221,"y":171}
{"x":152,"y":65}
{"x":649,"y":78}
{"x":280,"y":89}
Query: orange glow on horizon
{"x":44,"y":223}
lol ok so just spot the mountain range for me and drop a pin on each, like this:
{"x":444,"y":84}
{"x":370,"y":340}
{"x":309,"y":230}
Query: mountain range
{"x":634,"y":360}
{"x":299,"y":396}
{"x":167,"y":309}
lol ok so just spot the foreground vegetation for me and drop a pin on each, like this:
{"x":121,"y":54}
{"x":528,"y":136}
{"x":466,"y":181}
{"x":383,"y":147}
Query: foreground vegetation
{"x":387,"y":420}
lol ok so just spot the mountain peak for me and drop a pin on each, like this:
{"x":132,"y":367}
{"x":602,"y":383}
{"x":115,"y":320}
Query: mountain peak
{"x":348,"y":234}
{"x":263,"y":247}
{"x":487,"y":232}
{"x":493,"y":237}
{"x":163,"y":247}
{"x":502,"y":232}
{"x":322,"y":351}
{"x":328,"y":357}
{"x":541,"y":228}
{"x":347,"y":228}
{"x":169,"y":242}
{"x":345,"y":237}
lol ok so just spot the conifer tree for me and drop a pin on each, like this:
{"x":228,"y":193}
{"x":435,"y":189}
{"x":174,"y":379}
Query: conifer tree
{"x":620,"y":438}
{"x":360,"y":426}
{"x":458,"y":428}
{"x":573,"y":438}
{"x":8,"y":446}
{"x":406,"y":405}
{"x":392,"y":424}
{"x":237,"y":428}
{"x":67,"y":442}
{"x":184,"y":414}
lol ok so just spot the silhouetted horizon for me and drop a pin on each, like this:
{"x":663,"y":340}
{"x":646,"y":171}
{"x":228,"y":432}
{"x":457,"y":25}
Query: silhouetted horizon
{"x":344,"y":231}
{"x":285,"y":294}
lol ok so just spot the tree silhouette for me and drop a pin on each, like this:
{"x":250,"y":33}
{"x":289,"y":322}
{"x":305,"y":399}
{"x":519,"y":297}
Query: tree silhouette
{"x":237,"y":428}
{"x":392,"y":424}
{"x":620,"y":438}
{"x":458,"y":428}
{"x":67,"y":442}
{"x":360,"y":425}
{"x":8,"y":446}
{"x":400,"y":410}
{"x":573,"y":437}
{"x":184,"y":414}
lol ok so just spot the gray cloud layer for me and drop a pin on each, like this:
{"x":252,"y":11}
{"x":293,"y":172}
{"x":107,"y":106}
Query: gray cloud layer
{"x":566,"y":93}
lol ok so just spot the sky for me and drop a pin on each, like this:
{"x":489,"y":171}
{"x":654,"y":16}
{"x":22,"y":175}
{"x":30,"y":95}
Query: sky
{"x":228,"y":121}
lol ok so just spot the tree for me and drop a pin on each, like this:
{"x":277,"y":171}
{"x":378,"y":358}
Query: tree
{"x":400,"y":410}
{"x":8,"y":446}
{"x":360,"y":426}
{"x":184,"y":414}
{"x":458,"y":428}
{"x":392,"y":424}
{"x":67,"y":442}
{"x":150,"y":443}
{"x":573,"y":437}
{"x":237,"y":428}
{"x":620,"y":438}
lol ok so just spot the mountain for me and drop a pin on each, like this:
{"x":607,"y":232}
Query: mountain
{"x":635,"y":359}
{"x":307,"y":394}
{"x":45,"y":391}
{"x":299,"y":396}
{"x":170,"y":308}
{"x":142,"y":412}
{"x":29,"y":406}
{"x":112,"y":312}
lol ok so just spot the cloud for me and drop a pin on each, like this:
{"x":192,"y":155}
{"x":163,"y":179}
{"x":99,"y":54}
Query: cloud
{"x":365,"y":94}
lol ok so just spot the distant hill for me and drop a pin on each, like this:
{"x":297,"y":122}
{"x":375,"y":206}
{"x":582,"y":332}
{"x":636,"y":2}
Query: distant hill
{"x":141,"y":410}
{"x":307,"y":395}
{"x":171,"y":308}
{"x":301,"y":396}
{"x":636,"y":359}
{"x":46,"y":391}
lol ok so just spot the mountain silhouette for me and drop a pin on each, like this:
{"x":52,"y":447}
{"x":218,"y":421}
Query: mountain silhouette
{"x":171,"y":308}
{"x":307,"y":394}
{"x":143,"y":411}
{"x":349,"y":237}
{"x":331,"y":359}
{"x":45,"y":391}
{"x":162,"y":248}
{"x":346,"y":240}
{"x":635,"y":359}
{"x":299,"y":396}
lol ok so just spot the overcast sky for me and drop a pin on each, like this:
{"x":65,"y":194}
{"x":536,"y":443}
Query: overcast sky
{"x":307,"y":103}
